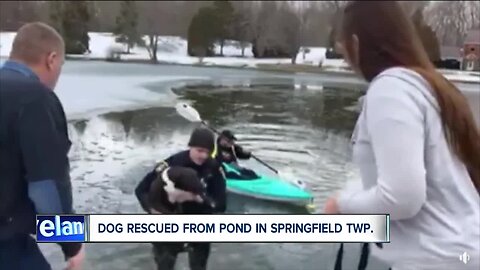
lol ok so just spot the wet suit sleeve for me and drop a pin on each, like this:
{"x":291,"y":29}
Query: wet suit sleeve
{"x":44,"y":159}
{"x":217,"y":190}
{"x":142,"y":189}
{"x":242,"y":153}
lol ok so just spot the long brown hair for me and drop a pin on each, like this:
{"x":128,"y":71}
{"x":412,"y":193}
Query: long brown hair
{"x":387,"y":38}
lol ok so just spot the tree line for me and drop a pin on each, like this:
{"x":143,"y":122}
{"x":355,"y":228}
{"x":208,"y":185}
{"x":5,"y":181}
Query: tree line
{"x":273,"y":28}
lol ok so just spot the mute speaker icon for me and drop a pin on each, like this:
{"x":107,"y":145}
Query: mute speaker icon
{"x":464,"y":257}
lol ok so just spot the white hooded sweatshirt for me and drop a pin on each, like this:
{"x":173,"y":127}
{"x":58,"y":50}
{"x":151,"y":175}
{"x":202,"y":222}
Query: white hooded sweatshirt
{"x":409,"y":172}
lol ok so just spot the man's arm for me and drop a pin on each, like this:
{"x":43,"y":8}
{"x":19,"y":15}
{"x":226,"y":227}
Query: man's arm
{"x":141,"y":191}
{"x":242,"y":153}
{"x":217,"y":190}
{"x":45,"y":159}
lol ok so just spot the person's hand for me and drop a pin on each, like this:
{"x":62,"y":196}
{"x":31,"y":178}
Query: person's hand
{"x":75,"y":262}
{"x":331,"y":206}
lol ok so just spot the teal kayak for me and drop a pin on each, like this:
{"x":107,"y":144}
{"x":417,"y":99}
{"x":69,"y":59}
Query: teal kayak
{"x":268,"y":188}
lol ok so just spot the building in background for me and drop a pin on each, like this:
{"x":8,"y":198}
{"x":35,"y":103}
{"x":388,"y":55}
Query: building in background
{"x":471,"y":51}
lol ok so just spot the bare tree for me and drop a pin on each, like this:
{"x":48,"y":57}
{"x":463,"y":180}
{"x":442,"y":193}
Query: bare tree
{"x":157,"y":18}
{"x":451,"y":20}
{"x":150,"y":25}
{"x":411,"y":7}
{"x":265,"y":28}
{"x":14,"y":14}
{"x":281,"y":28}
{"x":104,"y":14}
{"x":334,"y":9}
{"x":242,"y":23}
{"x":315,"y":25}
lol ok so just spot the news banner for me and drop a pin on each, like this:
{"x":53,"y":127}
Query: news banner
{"x":213,"y":228}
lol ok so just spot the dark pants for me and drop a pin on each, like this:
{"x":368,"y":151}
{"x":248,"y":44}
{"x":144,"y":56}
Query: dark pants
{"x":21,"y":252}
{"x":166,"y":254}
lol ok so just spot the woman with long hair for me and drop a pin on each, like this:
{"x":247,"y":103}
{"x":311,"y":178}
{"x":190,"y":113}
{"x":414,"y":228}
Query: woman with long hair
{"x":415,"y":142}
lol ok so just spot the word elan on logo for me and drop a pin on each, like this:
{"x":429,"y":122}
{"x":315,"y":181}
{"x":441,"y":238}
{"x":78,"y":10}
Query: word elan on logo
{"x":68,"y":228}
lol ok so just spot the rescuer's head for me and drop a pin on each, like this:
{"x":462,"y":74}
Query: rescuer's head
{"x":202,"y":144}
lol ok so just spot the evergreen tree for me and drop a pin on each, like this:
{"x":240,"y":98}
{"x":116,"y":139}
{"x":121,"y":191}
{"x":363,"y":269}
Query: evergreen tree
{"x":203,"y":32}
{"x":71,"y":19}
{"x":126,"y":25}
{"x":224,"y":15}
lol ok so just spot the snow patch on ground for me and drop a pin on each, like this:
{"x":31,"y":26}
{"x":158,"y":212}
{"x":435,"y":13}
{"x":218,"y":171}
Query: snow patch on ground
{"x":314,"y":56}
{"x":6,"y":40}
{"x":173,"y":49}
{"x":233,"y":48}
{"x":463,"y":78}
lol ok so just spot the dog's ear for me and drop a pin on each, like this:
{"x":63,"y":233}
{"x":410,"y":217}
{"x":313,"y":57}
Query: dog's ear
{"x":168,"y":185}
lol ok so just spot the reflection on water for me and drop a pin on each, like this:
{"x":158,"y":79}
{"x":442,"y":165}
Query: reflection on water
{"x":304,"y":133}
{"x":278,"y":105}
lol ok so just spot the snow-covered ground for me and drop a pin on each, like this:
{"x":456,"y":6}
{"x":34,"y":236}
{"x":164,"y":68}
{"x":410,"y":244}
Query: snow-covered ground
{"x":314,"y":56}
{"x":173,"y":49}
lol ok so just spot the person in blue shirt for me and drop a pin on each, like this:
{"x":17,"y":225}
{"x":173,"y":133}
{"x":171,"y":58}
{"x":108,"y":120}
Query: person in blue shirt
{"x":34,"y":143}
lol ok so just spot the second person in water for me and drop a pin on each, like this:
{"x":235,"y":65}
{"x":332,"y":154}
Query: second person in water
{"x":229,"y":153}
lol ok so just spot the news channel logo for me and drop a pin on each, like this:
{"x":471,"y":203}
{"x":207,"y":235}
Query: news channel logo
{"x":61,"y":228}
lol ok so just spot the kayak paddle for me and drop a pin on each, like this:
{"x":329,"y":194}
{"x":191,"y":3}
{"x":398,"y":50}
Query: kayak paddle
{"x":192,"y":115}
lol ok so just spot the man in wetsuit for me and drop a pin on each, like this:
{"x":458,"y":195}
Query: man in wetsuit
{"x":34,"y":143}
{"x":229,"y":152}
{"x":210,"y":173}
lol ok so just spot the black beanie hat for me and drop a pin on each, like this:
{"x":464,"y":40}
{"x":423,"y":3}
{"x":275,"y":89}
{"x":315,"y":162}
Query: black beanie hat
{"x":202,"y":137}
{"x":228,"y":134}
